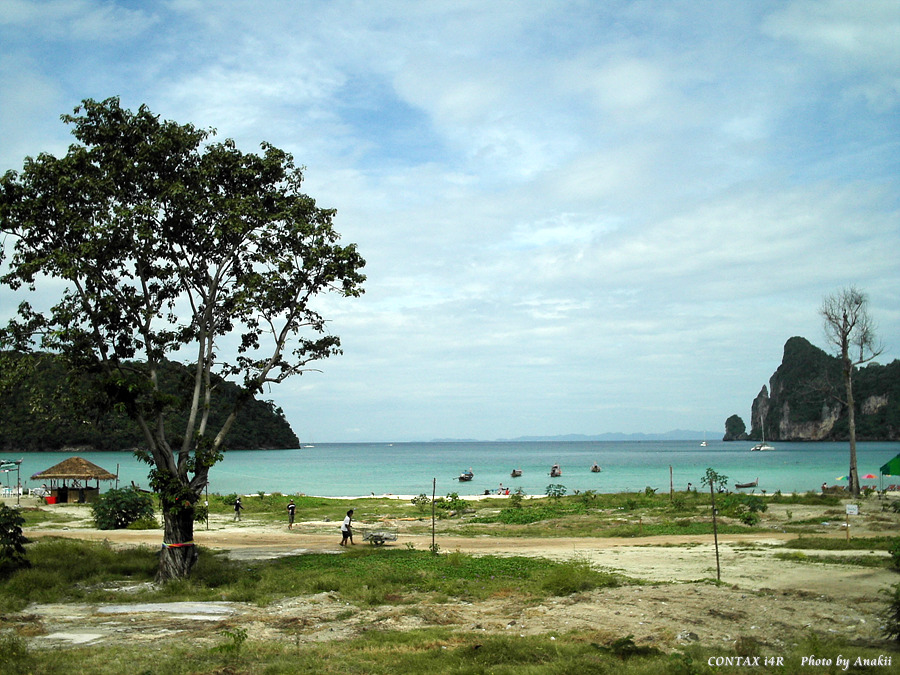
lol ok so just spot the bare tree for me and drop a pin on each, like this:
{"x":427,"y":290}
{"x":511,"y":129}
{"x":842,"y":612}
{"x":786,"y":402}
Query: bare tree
{"x":851,"y":330}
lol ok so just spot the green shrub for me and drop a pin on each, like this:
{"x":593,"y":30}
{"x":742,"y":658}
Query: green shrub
{"x":421,"y":502}
{"x":12,"y":541}
{"x":516,"y":498}
{"x":555,"y":490}
{"x":116,"y":509}
{"x":894,"y":550}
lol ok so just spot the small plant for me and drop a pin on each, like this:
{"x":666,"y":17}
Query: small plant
{"x":12,"y":541}
{"x":237,"y":638}
{"x":116,"y":509}
{"x":516,"y":498}
{"x":892,"y":614}
{"x":649,"y":491}
{"x":750,"y":518}
{"x":421,"y":502}
{"x":555,"y":491}
{"x":894,"y":550}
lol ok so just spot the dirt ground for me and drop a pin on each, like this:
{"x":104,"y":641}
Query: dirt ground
{"x":762,"y":598}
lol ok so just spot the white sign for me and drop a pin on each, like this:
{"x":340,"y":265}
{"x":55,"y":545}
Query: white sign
{"x":852,"y":509}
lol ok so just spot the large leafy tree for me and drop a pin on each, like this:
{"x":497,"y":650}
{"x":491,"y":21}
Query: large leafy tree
{"x":158,"y":243}
{"x":850,"y":329}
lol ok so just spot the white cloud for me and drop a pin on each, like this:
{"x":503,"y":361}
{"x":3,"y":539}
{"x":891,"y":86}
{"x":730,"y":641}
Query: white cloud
{"x":578,"y":217}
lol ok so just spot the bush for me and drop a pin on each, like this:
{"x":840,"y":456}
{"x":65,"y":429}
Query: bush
{"x":555,"y":490}
{"x":12,"y":541}
{"x":894,"y":550}
{"x":116,"y":509}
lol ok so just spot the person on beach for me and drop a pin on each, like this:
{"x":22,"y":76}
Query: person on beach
{"x":347,"y":529}
{"x":237,"y":508}
{"x":291,"y":509}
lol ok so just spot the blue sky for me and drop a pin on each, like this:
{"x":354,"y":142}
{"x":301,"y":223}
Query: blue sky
{"x":578,"y":217}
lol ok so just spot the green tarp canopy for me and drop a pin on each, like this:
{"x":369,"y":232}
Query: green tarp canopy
{"x":892,"y":468}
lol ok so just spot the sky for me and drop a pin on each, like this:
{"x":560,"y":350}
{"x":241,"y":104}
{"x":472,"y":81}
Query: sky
{"x":578,"y":217}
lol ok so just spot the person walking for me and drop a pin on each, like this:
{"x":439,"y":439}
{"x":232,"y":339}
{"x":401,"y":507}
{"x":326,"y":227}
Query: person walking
{"x":347,"y":529}
{"x":291,"y":509}
{"x":237,"y":508}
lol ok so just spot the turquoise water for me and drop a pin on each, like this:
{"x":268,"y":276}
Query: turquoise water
{"x":354,"y":469}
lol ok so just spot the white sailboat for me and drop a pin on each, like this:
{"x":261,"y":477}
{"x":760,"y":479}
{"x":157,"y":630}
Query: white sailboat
{"x":762,"y":447}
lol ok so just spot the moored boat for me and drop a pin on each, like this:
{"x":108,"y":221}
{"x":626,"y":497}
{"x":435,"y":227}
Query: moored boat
{"x":596,"y":468}
{"x":555,"y":471}
{"x":466,"y":475}
{"x":747,"y":485}
{"x":515,"y":473}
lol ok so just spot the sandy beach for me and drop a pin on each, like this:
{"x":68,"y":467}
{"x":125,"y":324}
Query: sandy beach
{"x":771,"y":600}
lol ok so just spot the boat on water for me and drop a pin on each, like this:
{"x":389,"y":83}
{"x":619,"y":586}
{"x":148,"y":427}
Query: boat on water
{"x":596,"y":468}
{"x":555,"y":471}
{"x":703,"y":444}
{"x":515,"y":473}
{"x":466,"y":476}
{"x":747,"y":485}
{"x":762,"y":447}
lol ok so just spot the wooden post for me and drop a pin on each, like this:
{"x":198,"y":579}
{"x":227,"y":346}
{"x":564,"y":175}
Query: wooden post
{"x":712,"y":494}
{"x":433,"y":494}
{"x":671,"y":485}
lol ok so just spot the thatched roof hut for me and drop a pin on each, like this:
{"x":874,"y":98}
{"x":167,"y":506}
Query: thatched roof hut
{"x":74,"y":469}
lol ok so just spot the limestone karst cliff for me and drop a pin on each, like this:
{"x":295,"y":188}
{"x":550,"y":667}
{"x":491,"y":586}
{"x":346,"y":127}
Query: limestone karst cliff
{"x":804,"y":400}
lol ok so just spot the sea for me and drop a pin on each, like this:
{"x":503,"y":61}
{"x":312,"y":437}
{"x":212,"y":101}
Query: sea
{"x":364,"y":469}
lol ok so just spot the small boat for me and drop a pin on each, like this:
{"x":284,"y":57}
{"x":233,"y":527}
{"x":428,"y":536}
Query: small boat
{"x":515,"y":473}
{"x":747,"y":485}
{"x":555,"y":471}
{"x":466,"y":475}
{"x":703,"y":444}
{"x":596,"y":468}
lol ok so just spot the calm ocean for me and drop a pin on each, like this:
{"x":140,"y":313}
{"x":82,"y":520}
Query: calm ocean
{"x":355,"y":469}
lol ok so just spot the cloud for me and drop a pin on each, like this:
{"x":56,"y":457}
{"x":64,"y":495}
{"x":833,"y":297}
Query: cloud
{"x":578,"y":217}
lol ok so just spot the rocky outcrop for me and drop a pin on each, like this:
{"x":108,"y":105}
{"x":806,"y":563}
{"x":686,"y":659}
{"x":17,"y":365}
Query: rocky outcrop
{"x":804,"y":400}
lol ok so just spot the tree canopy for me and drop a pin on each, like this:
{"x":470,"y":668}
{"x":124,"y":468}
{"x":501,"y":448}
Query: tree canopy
{"x":160,"y":243}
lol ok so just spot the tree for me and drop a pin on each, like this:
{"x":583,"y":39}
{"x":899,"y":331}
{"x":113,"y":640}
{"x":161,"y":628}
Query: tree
{"x":12,"y":541}
{"x":850,"y":329}
{"x":715,"y":480}
{"x":170,"y":246}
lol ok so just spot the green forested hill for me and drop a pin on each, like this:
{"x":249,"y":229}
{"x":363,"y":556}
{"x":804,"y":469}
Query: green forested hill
{"x":805,"y":400}
{"x":42,"y":407}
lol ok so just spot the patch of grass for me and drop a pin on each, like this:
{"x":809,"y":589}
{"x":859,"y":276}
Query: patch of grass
{"x":79,"y":571}
{"x":64,"y":570}
{"x":34,"y":516}
{"x":842,"y":544}
{"x":433,"y":650}
{"x":856,"y":560}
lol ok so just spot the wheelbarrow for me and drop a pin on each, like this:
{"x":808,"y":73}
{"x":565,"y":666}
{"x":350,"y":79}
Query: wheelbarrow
{"x":378,"y":537}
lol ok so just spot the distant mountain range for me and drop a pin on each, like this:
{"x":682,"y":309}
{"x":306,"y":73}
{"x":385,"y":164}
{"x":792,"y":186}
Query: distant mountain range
{"x":674,"y":435}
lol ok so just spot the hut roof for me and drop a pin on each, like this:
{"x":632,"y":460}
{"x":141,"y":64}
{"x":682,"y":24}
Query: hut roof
{"x":75,"y":468}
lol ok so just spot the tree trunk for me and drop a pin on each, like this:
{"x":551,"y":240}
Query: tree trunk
{"x":178,"y":553}
{"x":851,"y":422}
